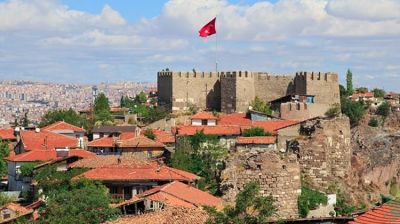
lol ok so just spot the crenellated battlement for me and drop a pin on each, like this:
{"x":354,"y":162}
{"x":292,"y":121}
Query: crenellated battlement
{"x":311,"y":76}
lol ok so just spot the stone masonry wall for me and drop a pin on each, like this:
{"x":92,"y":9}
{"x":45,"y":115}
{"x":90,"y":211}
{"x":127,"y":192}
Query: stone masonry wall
{"x":325,"y":156}
{"x":279,"y":177}
{"x":270,"y":87}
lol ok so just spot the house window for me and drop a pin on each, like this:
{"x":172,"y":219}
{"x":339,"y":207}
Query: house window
{"x":203,"y":122}
{"x":113,"y":190}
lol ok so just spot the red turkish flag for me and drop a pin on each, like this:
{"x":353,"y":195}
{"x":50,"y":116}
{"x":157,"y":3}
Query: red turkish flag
{"x":208,"y":29}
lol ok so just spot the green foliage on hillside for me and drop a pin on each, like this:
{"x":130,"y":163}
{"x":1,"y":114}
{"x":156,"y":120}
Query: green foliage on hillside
{"x":149,"y":134}
{"x":378,"y":92}
{"x":102,"y":110}
{"x":69,"y":116}
{"x":84,"y":201}
{"x":203,"y":155}
{"x":354,"y":110}
{"x":28,"y":168}
{"x":4,"y":152}
{"x":342,"y":206}
{"x":334,"y":111}
{"x":383,"y":109}
{"x":373,"y":122}
{"x":343,"y":91}
{"x":261,"y":106}
{"x":349,"y":82}
{"x":149,"y":113}
{"x":250,"y":208}
{"x":256,"y":131}
{"x":310,"y":199}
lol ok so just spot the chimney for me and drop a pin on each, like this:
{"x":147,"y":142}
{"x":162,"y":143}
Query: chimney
{"x":62,"y":152}
{"x":17,"y":133}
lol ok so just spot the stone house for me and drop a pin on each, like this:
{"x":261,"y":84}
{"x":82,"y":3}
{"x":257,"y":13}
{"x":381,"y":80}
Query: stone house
{"x":12,"y":211}
{"x":114,"y":131}
{"x":256,"y":143}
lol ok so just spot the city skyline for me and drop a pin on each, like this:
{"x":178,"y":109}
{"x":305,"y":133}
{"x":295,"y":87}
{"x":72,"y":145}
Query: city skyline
{"x":90,"y":42}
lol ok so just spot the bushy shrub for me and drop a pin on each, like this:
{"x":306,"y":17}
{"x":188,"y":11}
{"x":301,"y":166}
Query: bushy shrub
{"x":373,"y":122}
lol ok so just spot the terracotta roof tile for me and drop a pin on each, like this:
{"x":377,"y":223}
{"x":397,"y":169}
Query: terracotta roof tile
{"x":46,"y":140}
{"x":180,"y":194}
{"x":140,"y":142}
{"x":273,"y":125}
{"x":234,"y":119}
{"x":108,"y":160}
{"x":7,"y":134}
{"x":149,"y":171}
{"x":256,"y":140}
{"x":127,"y":135}
{"x":209,"y":130}
{"x":168,"y":215}
{"x":47,"y":155}
{"x":204,"y":116}
{"x":61,"y":125}
{"x":164,"y":136}
{"x":367,"y":95}
{"x":102,"y":142}
{"x":387,"y":213}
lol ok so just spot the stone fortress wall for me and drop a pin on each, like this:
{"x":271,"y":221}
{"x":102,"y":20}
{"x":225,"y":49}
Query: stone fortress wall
{"x":233,"y":91}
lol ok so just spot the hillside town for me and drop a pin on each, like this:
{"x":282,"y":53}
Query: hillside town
{"x":199,"y":112}
{"x":291,"y":146}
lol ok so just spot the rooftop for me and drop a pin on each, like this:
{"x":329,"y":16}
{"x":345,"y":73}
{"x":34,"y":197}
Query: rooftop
{"x":204,"y":116}
{"x":46,"y":140}
{"x":387,"y":213}
{"x":140,"y":142}
{"x":107,"y":160}
{"x":180,"y":194}
{"x":47,"y":155}
{"x":150,"y":171}
{"x":61,"y":125}
{"x":170,"y":215}
{"x":7,"y":134}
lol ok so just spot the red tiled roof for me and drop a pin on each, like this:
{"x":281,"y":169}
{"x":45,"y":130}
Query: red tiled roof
{"x":273,"y":125}
{"x":45,"y":140}
{"x":7,"y":134}
{"x":234,"y":119}
{"x":204,"y":116}
{"x":180,"y":194}
{"x":46,"y":155}
{"x":367,"y":95}
{"x":140,"y":142}
{"x":127,"y":135}
{"x":256,"y":140}
{"x":387,"y":213}
{"x":149,"y":171}
{"x":61,"y":125}
{"x":163,"y":136}
{"x":102,"y":142}
{"x":109,"y":160}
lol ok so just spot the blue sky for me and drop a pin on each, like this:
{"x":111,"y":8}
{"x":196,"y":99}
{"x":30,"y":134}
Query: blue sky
{"x":88,"y":41}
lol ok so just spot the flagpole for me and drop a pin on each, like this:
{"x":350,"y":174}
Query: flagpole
{"x":216,"y":48}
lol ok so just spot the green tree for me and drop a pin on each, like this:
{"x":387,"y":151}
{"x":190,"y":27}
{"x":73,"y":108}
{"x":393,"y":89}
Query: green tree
{"x":354,"y":110}
{"x":373,"y":122}
{"x":150,"y":134}
{"x":343,"y":91}
{"x":334,"y":111}
{"x":69,"y":116}
{"x":310,"y":199}
{"x":261,"y":106}
{"x":349,"y":82}
{"x":256,"y":131}
{"x":85,"y":201}
{"x":4,"y":152}
{"x":203,"y":155}
{"x":25,"y":121}
{"x":250,"y":208}
{"x":378,"y":92}
{"x":102,"y":109}
{"x":383,"y":109}
{"x":140,"y":98}
{"x":361,"y":90}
